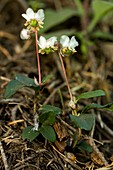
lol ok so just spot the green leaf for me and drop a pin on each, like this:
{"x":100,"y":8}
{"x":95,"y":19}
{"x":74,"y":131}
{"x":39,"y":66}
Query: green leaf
{"x":12,"y":87}
{"x":100,"y":9}
{"x":84,"y":146}
{"x":46,"y":78}
{"x":102,"y":35}
{"x":79,"y":6}
{"x":25,"y":80}
{"x":48,"y":133}
{"x":84,"y":121}
{"x":97,"y":106}
{"x":29,"y":133}
{"x":47,"y":118}
{"x":49,"y":108}
{"x":54,"y":18}
{"x":20,"y":81}
{"x":91,"y":94}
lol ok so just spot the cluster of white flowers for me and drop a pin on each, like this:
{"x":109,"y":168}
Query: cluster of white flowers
{"x":35,"y":21}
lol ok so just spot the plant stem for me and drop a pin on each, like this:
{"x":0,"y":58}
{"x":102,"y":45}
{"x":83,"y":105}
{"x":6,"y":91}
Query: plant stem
{"x":38,"y":58}
{"x":67,"y":83}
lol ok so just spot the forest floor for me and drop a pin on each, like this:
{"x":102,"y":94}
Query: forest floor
{"x":95,"y":72}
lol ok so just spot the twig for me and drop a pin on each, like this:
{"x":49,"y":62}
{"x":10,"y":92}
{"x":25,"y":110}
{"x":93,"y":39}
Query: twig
{"x":67,"y":125}
{"x":96,"y":150}
{"x":5,"y":34}
{"x":6,"y":53}
{"x":4,"y":157}
{"x":67,"y":160}
{"x":59,"y":159}
{"x":103,"y":125}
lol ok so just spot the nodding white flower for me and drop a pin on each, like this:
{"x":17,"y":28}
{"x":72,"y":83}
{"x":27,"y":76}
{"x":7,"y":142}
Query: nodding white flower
{"x":68,"y":45}
{"x":30,"y":14}
{"x":24,"y":34}
{"x":47,"y":46}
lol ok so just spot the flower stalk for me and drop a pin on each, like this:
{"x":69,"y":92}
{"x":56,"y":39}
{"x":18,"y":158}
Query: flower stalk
{"x":38,"y":58}
{"x":65,"y":75}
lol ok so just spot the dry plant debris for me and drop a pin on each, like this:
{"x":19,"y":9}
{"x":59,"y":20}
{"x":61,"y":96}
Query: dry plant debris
{"x":16,"y":113}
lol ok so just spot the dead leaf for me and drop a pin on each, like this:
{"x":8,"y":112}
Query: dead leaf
{"x":61,"y":131}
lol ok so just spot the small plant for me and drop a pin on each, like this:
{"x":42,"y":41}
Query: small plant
{"x":44,"y":122}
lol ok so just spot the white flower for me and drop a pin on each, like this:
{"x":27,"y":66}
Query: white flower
{"x":47,"y":46}
{"x":68,"y":43}
{"x":43,"y":43}
{"x":24,"y":34}
{"x":30,"y":14}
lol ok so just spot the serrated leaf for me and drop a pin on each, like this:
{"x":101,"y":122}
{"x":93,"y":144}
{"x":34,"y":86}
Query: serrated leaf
{"x":54,"y":18}
{"x":49,"y":108}
{"x":29,"y":133}
{"x":100,"y":9}
{"x":84,"y":146}
{"x":97,"y":106}
{"x":12,"y":87}
{"x":25,"y":80}
{"x":47,"y":118}
{"x":84,"y":121}
{"x":48,"y":133}
{"x":91,"y":94}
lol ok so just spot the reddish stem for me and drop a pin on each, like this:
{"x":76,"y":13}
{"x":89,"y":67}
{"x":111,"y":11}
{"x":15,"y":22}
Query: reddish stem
{"x":38,"y":58}
{"x":67,"y":83}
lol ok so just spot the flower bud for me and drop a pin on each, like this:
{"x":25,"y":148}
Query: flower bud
{"x":25,"y":34}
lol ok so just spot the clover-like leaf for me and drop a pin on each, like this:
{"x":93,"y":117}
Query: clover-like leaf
{"x":18,"y":83}
{"x":47,"y":118}
{"x":84,"y":121}
{"x":50,"y":108}
{"x":25,"y":80}
{"x":48,"y":132}
{"x":29,"y":133}
{"x":12,"y":87}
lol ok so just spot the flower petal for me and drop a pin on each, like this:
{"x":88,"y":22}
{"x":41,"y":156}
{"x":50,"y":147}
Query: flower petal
{"x":42,"y":42}
{"x":73,"y":43}
{"x":51,"y":41}
{"x":64,"y":40}
{"x":25,"y":16}
{"x":40,"y":15}
{"x":29,"y":14}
